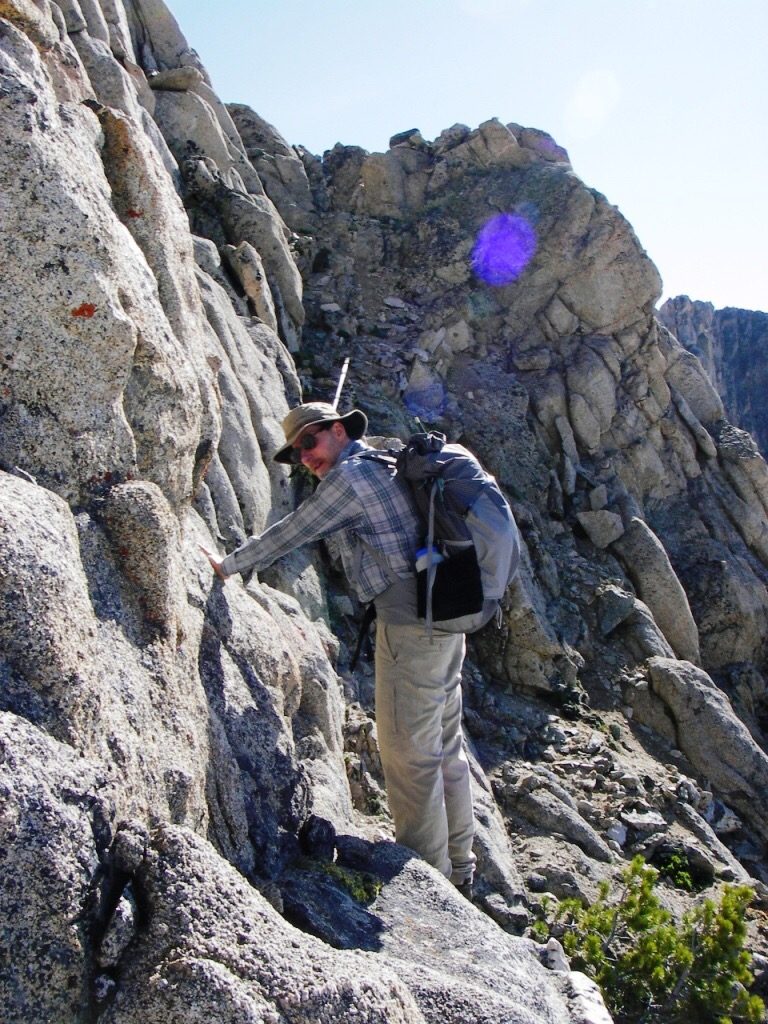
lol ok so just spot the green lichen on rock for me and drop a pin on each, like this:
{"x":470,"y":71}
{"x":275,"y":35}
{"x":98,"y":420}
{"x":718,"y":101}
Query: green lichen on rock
{"x":360,"y":885}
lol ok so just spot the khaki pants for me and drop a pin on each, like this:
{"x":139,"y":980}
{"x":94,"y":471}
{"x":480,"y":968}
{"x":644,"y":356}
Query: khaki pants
{"x":418,"y":721}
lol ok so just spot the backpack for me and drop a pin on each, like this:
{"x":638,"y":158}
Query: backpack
{"x":470,"y":535}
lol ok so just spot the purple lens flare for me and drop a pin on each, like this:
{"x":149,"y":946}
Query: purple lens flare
{"x":505,"y":246}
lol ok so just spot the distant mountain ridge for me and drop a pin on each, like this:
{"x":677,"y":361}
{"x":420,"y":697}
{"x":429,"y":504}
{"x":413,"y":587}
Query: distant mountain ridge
{"x":733,"y":346}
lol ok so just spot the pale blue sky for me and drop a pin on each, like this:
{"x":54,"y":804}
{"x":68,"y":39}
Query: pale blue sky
{"x":661,"y":104}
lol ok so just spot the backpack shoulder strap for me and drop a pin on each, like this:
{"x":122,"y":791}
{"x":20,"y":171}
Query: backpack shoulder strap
{"x":386,"y":458}
{"x":363,"y":637}
{"x":389,"y":459}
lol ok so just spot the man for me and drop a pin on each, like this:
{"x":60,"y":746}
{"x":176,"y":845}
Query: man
{"x":418,"y":676}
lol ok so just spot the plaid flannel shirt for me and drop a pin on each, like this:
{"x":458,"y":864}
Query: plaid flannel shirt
{"x":365,"y":507}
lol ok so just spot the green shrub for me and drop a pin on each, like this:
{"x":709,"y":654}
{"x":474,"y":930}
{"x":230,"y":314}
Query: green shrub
{"x":652,"y":969}
{"x":676,"y":868}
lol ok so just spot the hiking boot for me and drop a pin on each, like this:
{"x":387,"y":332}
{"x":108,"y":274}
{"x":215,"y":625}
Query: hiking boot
{"x":467,"y":889}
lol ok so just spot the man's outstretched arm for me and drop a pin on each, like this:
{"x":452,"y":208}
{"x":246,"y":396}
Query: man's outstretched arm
{"x":334,"y":506}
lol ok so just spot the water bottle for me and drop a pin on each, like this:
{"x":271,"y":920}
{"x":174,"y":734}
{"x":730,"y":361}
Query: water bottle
{"x":422,"y":558}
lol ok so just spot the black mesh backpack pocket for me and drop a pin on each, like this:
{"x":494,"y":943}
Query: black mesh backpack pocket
{"x":457,"y":590}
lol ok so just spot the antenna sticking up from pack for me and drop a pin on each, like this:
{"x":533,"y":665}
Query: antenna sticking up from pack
{"x":340,"y":385}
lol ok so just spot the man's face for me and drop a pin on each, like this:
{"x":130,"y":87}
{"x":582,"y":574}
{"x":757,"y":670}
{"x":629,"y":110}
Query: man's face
{"x":329,"y":442}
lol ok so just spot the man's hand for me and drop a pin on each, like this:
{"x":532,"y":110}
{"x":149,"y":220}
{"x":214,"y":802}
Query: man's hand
{"x":215,"y":563}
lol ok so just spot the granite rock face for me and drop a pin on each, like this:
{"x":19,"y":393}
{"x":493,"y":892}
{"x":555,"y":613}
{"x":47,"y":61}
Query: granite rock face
{"x":134,"y":378}
{"x":180,"y":760}
{"x":730,"y":344}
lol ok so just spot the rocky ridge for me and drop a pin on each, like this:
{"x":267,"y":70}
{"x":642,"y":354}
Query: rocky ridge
{"x":184,"y":765}
{"x":730,"y":344}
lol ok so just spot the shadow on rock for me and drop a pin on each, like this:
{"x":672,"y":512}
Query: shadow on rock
{"x":330,"y":899}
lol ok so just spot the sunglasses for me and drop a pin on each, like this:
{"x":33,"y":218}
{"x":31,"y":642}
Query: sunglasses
{"x":308,"y":442}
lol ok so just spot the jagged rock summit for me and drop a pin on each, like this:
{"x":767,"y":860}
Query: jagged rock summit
{"x":730,"y":344}
{"x":193,"y":824}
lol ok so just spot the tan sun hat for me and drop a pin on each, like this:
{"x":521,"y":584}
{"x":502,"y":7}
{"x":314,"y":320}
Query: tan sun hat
{"x":308,"y":415}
